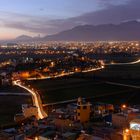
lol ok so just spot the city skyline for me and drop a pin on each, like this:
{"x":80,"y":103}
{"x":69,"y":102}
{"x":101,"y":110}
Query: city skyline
{"x":48,"y":17}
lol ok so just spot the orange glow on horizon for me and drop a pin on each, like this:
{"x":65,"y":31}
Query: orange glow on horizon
{"x":8,"y":33}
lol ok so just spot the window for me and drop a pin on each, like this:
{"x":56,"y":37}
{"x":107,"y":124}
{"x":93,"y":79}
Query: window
{"x":78,"y":107}
{"x":84,"y":107}
{"x":78,"y":114}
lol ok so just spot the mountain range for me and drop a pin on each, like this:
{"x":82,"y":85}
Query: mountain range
{"x":125,"y":31}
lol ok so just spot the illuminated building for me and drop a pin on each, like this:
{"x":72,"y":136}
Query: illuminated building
{"x":83,"y":110}
{"x":135,"y":129}
{"x":29,"y":111}
{"x":126,"y":134}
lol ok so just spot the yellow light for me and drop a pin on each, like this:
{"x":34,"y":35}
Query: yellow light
{"x":70,"y":124}
{"x":36,"y":138}
{"x":127,"y":130}
{"x":123,"y":106}
{"x":126,"y":134}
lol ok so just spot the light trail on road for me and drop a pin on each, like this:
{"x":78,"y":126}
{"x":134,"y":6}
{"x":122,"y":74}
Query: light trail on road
{"x":94,"y":69}
{"x":66,"y":74}
{"x":120,"y":84}
{"x":36,"y":99}
{"x":84,"y":71}
{"x":128,"y":63}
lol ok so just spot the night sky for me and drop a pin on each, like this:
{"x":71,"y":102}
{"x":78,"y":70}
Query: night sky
{"x":33,"y":17}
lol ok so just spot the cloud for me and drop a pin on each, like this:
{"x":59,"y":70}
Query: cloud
{"x":112,"y":2}
{"x":35,"y":24}
{"x":111,"y":13}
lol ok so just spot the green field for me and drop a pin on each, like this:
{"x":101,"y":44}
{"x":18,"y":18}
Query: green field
{"x":12,"y":89}
{"x":11,"y":104}
{"x":61,"y":89}
{"x":68,"y":88}
{"x":120,"y":72}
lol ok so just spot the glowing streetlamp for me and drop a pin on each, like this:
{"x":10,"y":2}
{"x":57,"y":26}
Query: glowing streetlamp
{"x":124,"y":106}
{"x":126,"y":134}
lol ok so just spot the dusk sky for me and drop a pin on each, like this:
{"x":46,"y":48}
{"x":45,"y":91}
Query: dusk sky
{"x":33,"y":17}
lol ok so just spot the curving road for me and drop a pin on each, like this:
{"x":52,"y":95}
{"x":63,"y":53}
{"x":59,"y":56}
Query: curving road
{"x":120,"y":84}
{"x":36,"y":99}
{"x":65,"y":74}
{"x":85,"y":71}
{"x":129,"y":63}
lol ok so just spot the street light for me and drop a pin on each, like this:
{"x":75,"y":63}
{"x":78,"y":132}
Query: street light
{"x":126,"y":134}
{"x":127,"y":130}
{"x":123,"y":106}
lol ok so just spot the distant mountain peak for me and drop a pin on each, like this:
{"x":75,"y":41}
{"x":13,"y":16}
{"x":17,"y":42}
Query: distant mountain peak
{"x":23,"y":37}
{"x":128,"y":30}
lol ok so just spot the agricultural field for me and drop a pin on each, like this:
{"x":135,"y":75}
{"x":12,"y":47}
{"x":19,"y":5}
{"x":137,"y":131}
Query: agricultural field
{"x":68,"y":88}
{"x":120,"y":72}
{"x":11,"y":104}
